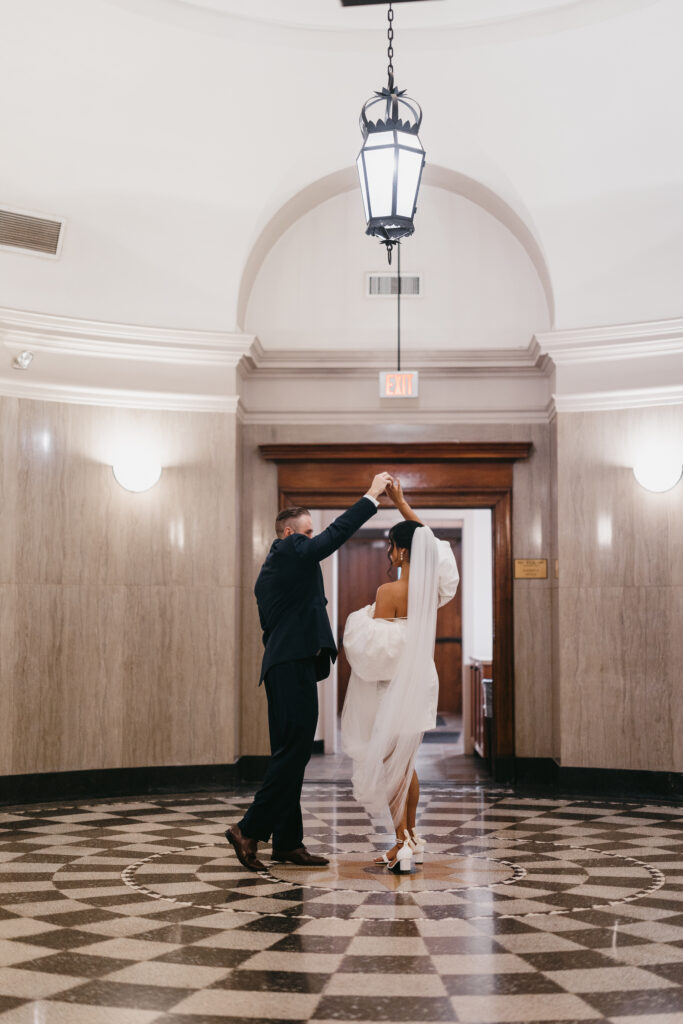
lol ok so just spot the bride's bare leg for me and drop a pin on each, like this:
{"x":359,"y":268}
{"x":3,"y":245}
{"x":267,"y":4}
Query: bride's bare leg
{"x":405,"y":820}
{"x":412,"y":801}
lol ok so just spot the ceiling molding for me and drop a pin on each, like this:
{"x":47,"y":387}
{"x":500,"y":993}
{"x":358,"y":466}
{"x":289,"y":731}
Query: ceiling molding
{"x":280,"y":363}
{"x":605,"y":344}
{"x":58,"y":335}
{"x":119,"y":398}
{"x":382,"y":417}
{"x":632,"y":398}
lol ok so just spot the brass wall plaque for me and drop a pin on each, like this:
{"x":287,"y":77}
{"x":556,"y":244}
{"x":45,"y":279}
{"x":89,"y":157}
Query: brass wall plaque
{"x":531,"y":568}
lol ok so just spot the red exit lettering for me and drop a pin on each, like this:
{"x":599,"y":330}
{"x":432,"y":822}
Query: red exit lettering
{"x":399,"y":384}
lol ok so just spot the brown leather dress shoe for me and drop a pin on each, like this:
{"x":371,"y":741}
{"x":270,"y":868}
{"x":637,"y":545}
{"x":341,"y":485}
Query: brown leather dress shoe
{"x":301,"y":857}
{"x":245,"y":848}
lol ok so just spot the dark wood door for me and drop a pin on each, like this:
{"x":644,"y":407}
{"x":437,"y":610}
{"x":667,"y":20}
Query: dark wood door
{"x":363,"y":568}
{"x":363,"y":565}
{"x":448,"y":648}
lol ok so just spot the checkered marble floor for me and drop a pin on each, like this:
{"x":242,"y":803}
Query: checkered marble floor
{"x":136,"y":912}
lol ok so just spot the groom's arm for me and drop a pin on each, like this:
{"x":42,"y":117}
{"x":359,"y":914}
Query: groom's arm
{"x":315,"y":549}
{"x":344,"y":526}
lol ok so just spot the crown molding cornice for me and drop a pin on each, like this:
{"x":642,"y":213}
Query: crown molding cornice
{"x":216,"y":360}
{"x":605,"y":344}
{"x":383,"y":416}
{"x":631,"y":398}
{"x":57,"y":335}
{"x":117,"y":397}
{"x":278,"y":363}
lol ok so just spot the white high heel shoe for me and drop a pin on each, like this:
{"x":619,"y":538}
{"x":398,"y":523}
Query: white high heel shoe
{"x":419,"y":846}
{"x":403,"y":864}
{"x":384,"y":857}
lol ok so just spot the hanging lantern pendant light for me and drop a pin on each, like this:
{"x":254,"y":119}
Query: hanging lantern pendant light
{"x":391,"y":158}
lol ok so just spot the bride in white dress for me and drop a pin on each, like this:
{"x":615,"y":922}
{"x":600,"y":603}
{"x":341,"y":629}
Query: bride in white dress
{"x":393,"y":691}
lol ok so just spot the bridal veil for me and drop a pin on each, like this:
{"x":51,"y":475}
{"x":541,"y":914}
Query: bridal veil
{"x":384,"y":749}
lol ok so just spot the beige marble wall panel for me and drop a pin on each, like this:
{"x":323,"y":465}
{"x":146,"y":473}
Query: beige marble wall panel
{"x":76,"y":525}
{"x":531,"y":498}
{"x":533,"y":665}
{"x":677,"y":670}
{"x":531,"y":528}
{"x":8,"y":609}
{"x":11,"y":473}
{"x":177,"y":684}
{"x":620,"y":677}
{"x":555,"y":667}
{"x":618,"y":620}
{"x":553,"y":570}
{"x":65,"y":681}
{"x":612,"y":532}
{"x":108,"y":677}
{"x":118,"y":611}
{"x":531,"y":538}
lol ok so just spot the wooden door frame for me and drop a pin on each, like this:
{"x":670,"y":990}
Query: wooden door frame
{"x":438,"y":475}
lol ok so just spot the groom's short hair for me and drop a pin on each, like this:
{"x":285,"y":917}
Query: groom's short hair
{"x":284,"y":517}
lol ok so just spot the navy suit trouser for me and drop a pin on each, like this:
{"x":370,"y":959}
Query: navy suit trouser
{"x":292,"y":694}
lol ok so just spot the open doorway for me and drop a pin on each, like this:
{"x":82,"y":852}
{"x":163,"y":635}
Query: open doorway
{"x":434,"y":475}
{"x":464,"y":636}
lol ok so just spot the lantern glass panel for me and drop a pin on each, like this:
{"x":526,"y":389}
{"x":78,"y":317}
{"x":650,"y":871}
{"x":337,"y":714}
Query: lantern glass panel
{"x":380,"y":170}
{"x":410,"y":141}
{"x":409,"y":166}
{"x":375,"y":139}
{"x":361,"y":176}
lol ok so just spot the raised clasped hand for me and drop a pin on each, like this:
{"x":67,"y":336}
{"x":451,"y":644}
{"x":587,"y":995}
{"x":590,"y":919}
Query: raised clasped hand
{"x":395,"y":491}
{"x":380,"y":484}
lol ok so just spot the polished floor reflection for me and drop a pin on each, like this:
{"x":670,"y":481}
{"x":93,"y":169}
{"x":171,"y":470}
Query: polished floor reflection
{"x":135,"y":911}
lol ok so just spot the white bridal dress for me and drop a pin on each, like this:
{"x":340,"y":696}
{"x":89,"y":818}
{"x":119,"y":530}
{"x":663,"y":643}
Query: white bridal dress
{"x":393,"y":690}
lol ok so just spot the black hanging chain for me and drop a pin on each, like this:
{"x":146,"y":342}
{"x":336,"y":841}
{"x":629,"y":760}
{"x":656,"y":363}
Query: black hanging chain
{"x":390,"y":47}
{"x":398,"y":311}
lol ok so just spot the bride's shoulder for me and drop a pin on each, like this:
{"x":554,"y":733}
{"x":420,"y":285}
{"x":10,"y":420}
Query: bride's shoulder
{"x":393,"y":587}
{"x":387,"y":600}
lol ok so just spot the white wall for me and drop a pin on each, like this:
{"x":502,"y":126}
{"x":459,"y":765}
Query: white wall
{"x":477,"y":585}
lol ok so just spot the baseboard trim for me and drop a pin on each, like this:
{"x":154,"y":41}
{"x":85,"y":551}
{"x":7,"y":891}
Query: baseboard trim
{"x":119,"y":782}
{"x":531,"y":774}
{"x":545,"y":773}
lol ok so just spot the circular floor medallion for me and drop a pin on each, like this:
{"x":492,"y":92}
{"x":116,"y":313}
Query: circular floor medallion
{"x":448,"y":872}
{"x":509,"y":878}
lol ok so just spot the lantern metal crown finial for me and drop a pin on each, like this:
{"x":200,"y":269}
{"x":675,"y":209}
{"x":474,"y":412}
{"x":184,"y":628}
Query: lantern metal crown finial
{"x":391,"y":159}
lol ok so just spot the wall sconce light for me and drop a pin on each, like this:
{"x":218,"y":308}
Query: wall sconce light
{"x":137,"y":472}
{"x":658,"y":472}
{"x":22,"y":361}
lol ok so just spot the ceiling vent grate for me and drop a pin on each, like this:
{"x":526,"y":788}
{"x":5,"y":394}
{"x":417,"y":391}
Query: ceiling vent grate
{"x":383,"y":286}
{"x":30,"y":233}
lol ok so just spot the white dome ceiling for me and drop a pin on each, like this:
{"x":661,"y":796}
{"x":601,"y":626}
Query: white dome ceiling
{"x":169,"y":135}
{"x":437,"y":14}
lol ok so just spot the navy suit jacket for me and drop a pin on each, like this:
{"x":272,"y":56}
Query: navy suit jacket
{"x":290,"y":595}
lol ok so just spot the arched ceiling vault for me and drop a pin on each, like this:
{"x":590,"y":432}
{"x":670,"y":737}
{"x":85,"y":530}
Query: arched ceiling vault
{"x":345,"y":180}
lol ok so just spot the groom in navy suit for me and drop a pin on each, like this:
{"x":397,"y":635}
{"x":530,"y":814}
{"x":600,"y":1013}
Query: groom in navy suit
{"x":299,"y":648}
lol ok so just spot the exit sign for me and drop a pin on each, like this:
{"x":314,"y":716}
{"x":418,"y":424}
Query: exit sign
{"x":398,"y":384}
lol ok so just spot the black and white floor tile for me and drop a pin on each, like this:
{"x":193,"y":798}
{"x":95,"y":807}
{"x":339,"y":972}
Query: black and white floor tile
{"x":136,"y":912}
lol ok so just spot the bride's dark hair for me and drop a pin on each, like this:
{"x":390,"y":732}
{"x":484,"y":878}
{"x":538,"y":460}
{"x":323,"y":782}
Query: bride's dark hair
{"x":401,"y":534}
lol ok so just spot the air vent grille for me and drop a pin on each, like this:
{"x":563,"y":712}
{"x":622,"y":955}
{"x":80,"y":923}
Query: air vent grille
{"x":382,"y":286}
{"x":34,"y":234}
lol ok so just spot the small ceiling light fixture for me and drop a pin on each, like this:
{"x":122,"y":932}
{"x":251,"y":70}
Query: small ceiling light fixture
{"x":22,"y":361}
{"x":391,"y":158}
{"x":137,"y":472}
{"x":658,"y":472}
